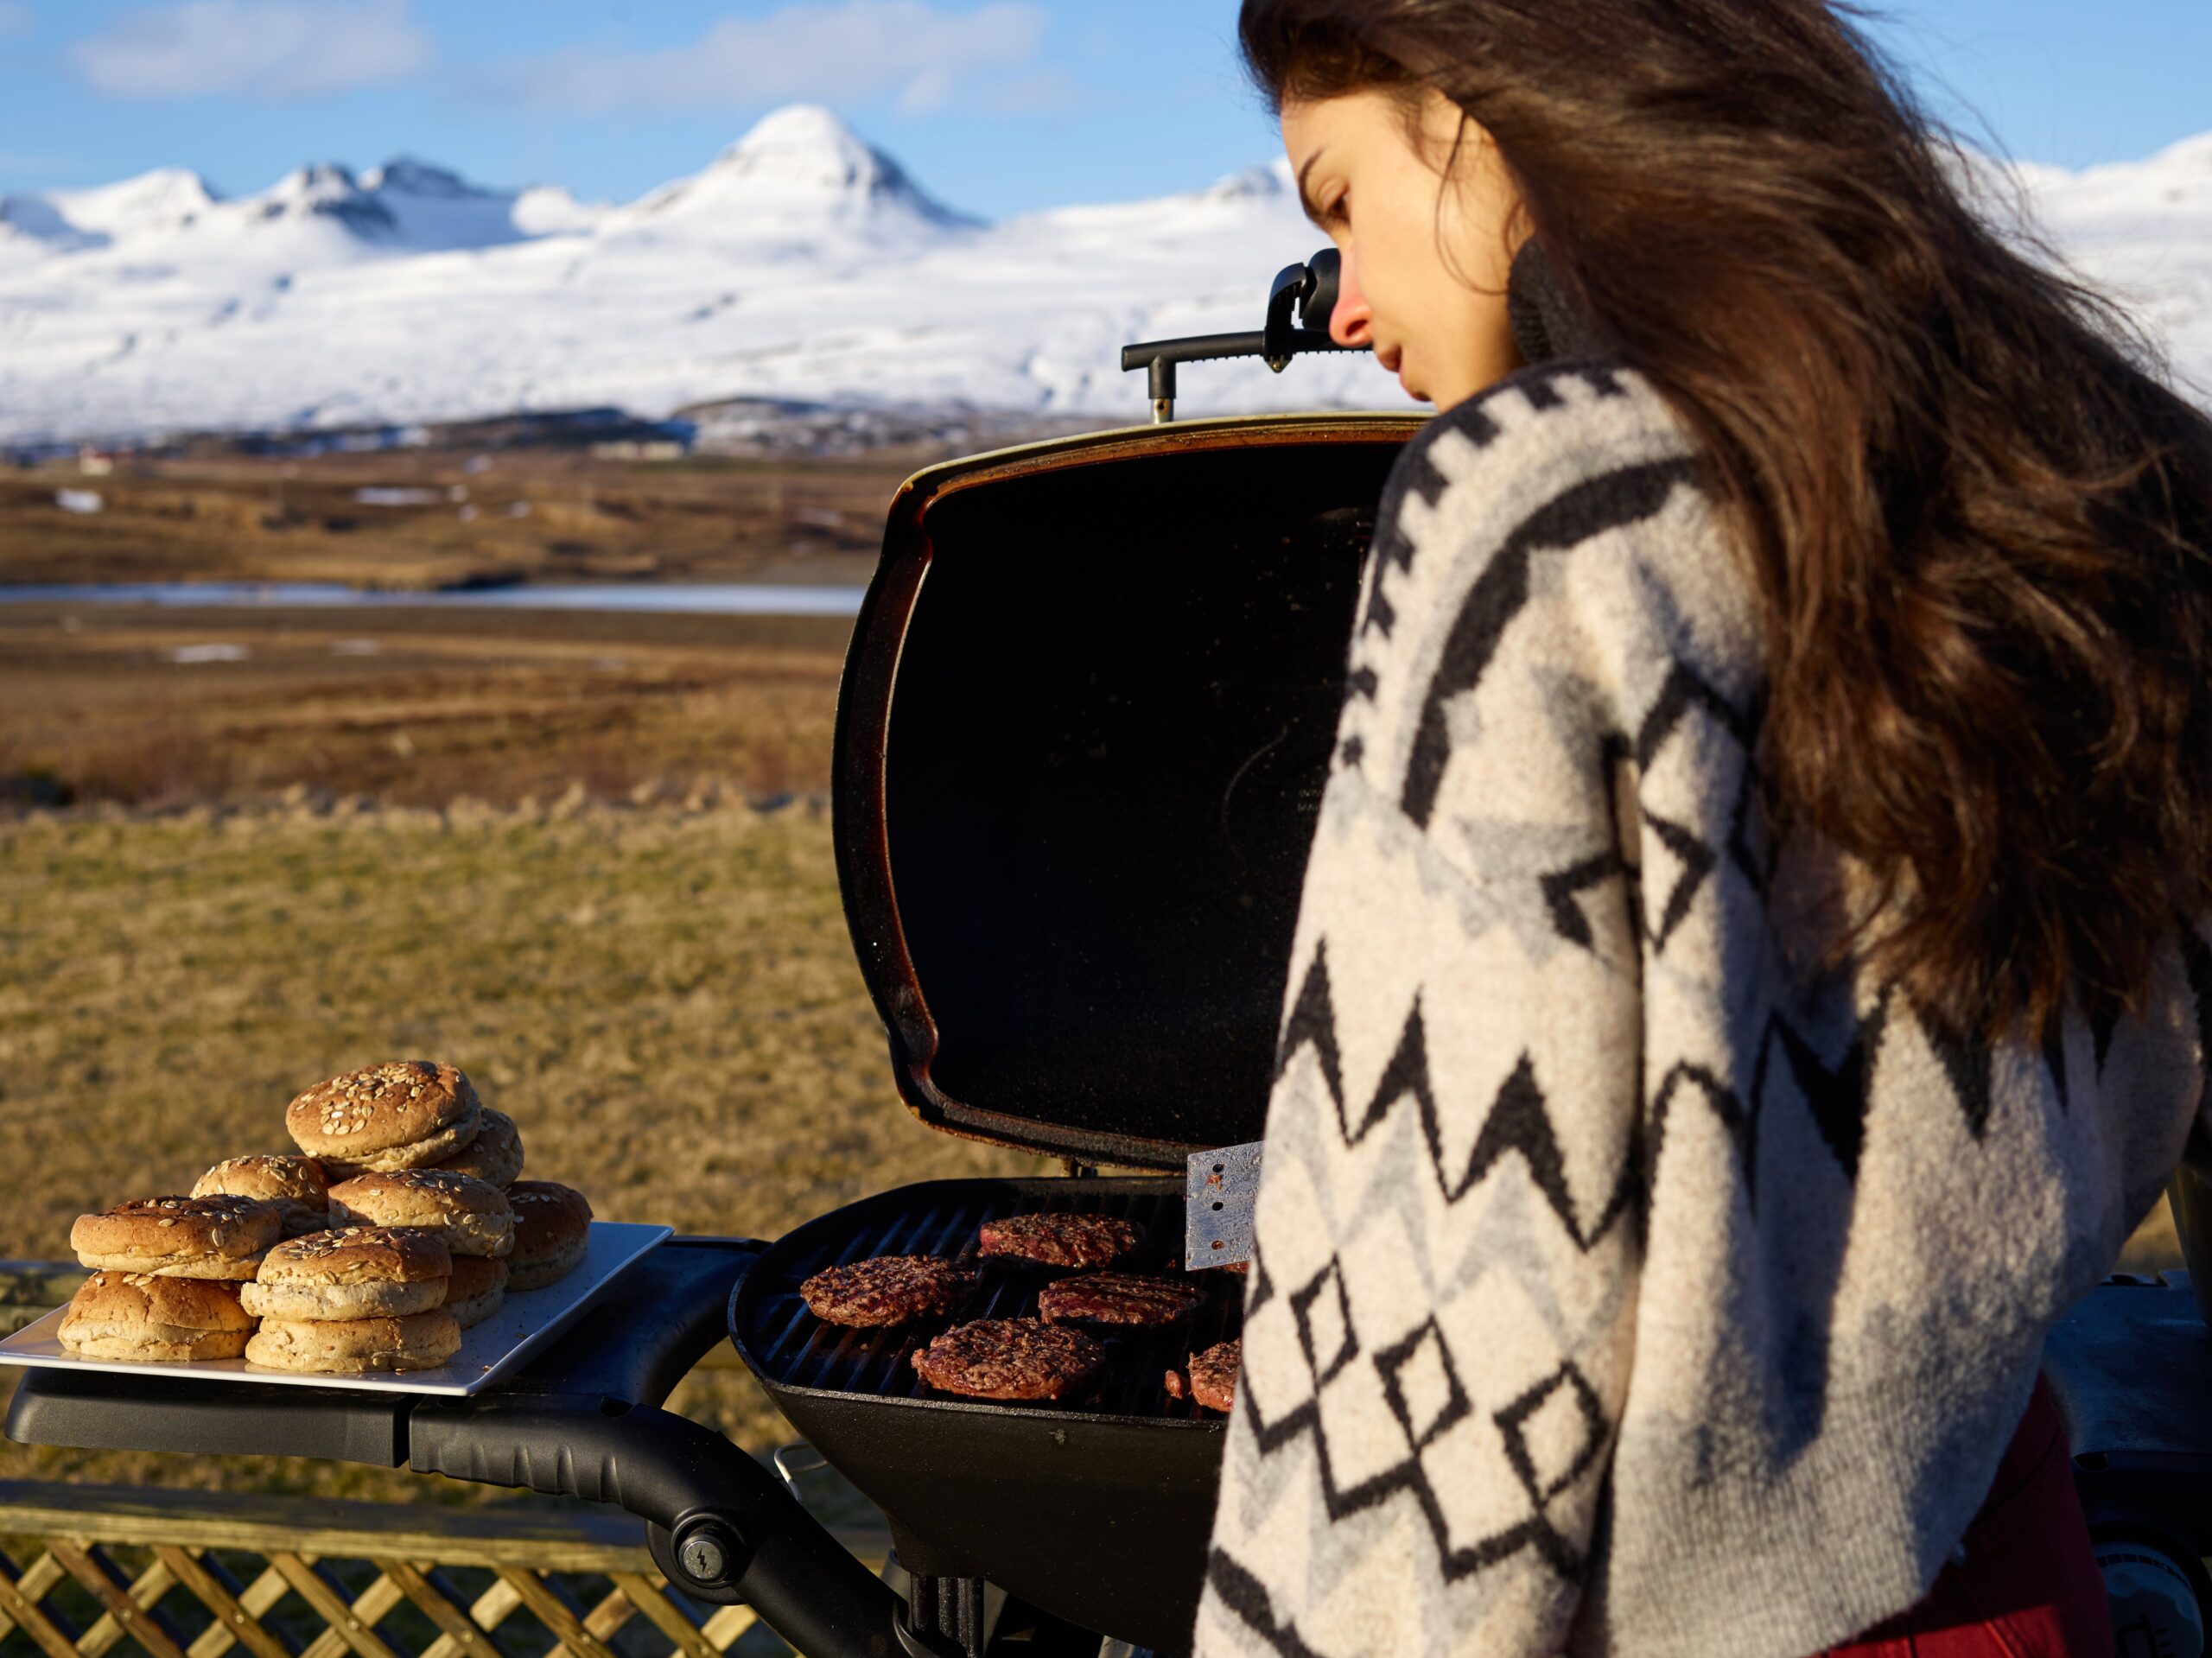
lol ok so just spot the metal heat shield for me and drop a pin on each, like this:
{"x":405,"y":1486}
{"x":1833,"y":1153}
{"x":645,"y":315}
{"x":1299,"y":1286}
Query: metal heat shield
{"x":1219,"y":1189}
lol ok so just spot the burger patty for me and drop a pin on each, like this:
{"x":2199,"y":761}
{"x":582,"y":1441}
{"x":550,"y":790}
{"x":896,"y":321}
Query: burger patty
{"x":1118,"y":1299}
{"x":1010,"y":1358}
{"x":1211,"y":1379}
{"x":887,"y":1290}
{"x":1061,"y":1240}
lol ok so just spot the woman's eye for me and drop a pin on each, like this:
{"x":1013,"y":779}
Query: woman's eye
{"x":1339,"y":211}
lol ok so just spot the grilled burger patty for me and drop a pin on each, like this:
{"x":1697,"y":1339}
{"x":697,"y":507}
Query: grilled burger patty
{"x":1211,"y":1379}
{"x":1116,"y":1299}
{"x":1010,"y":1358}
{"x":1061,"y":1240}
{"x":887,"y":1290}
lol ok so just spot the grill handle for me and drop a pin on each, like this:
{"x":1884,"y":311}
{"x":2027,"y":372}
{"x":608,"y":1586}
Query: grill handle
{"x":723,"y":1527}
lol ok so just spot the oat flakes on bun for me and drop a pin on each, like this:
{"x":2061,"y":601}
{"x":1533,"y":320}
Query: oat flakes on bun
{"x":552,"y":1225}
{"x":406,"y":1115}
{"x":154,"y":1320}
{"x":478,"y":1284}
{"x":471,"y":1216}
{"x":179,"y":1237}
{"x":294,"y":1185}
{"x":416,"y":1341}
{"x":350,"y":1272}
{"x":494,"y":1155}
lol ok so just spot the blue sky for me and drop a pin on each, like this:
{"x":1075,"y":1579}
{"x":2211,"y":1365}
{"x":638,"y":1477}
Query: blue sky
{"x":995,"y":105}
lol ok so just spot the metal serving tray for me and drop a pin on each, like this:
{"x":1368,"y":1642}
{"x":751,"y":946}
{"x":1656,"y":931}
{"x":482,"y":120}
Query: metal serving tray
{"x":525,"y":1321}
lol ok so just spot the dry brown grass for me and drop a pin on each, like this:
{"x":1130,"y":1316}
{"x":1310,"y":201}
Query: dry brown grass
{"x":667,"y":1002}
{"x":413,"y":706}
{"x":538,"y":516}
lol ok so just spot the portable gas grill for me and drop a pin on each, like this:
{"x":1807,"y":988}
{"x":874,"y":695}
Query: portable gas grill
{"x":1084,"y":722}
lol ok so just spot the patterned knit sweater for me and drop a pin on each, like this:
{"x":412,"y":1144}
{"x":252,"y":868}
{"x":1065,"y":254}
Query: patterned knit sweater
{"x":1623,"y":1285}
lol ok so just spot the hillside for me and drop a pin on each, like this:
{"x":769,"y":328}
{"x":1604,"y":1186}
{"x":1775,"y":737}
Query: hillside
{"x":802,"y":262}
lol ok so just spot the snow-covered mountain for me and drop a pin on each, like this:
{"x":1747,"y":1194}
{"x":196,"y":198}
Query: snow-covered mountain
{"x":802,"y":264}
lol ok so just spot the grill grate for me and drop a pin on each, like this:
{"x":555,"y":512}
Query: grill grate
{"x":798,"y":1350}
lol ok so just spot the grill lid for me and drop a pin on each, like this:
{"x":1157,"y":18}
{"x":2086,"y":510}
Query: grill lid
{"x":1085,"y":718}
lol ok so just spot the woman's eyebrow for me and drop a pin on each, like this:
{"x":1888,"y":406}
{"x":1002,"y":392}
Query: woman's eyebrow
{"x":1305,"y":200}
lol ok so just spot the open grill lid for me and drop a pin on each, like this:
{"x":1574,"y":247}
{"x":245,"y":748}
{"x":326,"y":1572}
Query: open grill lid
{"x":1086,"y":719}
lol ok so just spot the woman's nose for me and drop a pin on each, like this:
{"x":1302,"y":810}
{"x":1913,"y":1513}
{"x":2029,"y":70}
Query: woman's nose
{"x":1352,"y":323}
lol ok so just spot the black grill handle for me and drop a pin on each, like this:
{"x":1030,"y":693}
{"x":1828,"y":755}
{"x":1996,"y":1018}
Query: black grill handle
{"x":723,"y":1527}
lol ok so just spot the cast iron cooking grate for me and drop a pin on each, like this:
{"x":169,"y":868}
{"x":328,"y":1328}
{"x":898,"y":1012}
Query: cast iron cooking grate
{"x":799,"y":1349}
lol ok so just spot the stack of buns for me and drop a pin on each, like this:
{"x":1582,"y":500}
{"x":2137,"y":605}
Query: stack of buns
{"x":402,"y":1221}
{"x":357,"y":1298}
{"x":469,"y":1216}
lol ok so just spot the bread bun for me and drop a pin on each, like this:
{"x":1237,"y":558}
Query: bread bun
{"x":294,"y":1185}
{"x":552,"y":1226}
{"x":470,"y":1215}
{"x":478,"y":1284}
{"x":401,"y":1116}
{"x":420,"y":1340}
{"x":160,"y":1320}
{"x":354,"y":1272}
{"x":494,"y":1155}
{"x":179,"y":1237}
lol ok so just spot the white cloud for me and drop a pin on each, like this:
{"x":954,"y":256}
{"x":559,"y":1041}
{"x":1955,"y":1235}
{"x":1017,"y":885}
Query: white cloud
{"x":16,"y":20}
{"x":850,"y":50}
{"x":274,"y":51}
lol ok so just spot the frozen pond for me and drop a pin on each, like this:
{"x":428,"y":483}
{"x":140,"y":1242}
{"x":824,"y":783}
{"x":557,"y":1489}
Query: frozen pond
{"x":725,"y":598}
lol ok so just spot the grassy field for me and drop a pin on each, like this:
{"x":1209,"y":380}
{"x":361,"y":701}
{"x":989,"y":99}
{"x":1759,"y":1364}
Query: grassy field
{"x":507,"y":516}
{"x":145,"y":707}
{"x":665,"y":1002}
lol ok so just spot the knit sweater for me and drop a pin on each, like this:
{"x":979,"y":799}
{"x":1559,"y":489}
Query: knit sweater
{"x":1624,"y":1284}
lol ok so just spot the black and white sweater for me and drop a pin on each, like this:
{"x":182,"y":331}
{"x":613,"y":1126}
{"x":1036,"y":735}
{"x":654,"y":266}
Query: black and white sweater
{"x":1621,"y":1288}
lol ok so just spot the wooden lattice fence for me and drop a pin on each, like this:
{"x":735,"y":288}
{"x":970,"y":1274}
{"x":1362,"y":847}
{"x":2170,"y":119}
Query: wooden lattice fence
{"x":110,"y":1571}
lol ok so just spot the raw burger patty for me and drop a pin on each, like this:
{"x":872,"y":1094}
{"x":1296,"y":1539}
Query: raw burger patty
{"x":1010,"y":1358}
{"x":888,"y":1290}
{"x":1212,"y":1377}
{"x":1061,"y":1240}
{"x":1116,"y":1299}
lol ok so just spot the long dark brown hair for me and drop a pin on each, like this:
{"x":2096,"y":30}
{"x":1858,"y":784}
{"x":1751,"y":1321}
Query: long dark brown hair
{"x":1975,"y":521}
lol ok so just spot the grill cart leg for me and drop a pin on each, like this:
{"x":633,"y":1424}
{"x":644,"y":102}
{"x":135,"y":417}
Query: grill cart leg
{"x":582,"y":1420}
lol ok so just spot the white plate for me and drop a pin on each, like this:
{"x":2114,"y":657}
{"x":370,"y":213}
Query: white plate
{"x":526,"y":1322}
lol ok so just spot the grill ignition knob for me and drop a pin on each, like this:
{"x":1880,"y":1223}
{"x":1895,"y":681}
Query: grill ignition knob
{"x":710,"y":1552}
{"x":704,"y":1559}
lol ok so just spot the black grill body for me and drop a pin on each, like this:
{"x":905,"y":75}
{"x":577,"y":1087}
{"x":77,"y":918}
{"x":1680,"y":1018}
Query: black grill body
{"x":1096,"y":1510}
{"x":1084,"y":723}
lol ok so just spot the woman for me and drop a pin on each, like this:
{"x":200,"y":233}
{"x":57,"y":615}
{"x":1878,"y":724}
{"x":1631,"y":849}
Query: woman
{"x":1751,"y":968}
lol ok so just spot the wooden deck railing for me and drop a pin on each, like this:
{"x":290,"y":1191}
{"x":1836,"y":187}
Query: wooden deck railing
{"x":115,"y":1572}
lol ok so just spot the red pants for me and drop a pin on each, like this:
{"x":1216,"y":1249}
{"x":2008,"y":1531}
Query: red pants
{"x":2030,"y":1587}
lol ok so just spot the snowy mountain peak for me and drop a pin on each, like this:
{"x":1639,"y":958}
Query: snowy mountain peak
{"x":807,"y":147}
{"x":166,"y":199}
{"x":801,"y":266}
{"x":801,"y":163}
{"x":326,"y":191}
{"x":405,"y":175}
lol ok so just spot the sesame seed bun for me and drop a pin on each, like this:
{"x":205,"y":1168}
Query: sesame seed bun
{"x":420,"y":1340}
{"x":179,"y":1237}
{"x":161,"y":1320}
{"x":470,"y":1215}
{"x":402,"y":1116}
{"x":494,"y":1155}
{"x":354,"y":1272}
{"x":552,"y":1225}
{"x":478,"y":1284}
{"x":294,"y":1185}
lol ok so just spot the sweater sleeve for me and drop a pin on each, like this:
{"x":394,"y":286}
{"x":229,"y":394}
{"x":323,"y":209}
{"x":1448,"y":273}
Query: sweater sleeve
{"x":1441,"y":1319}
